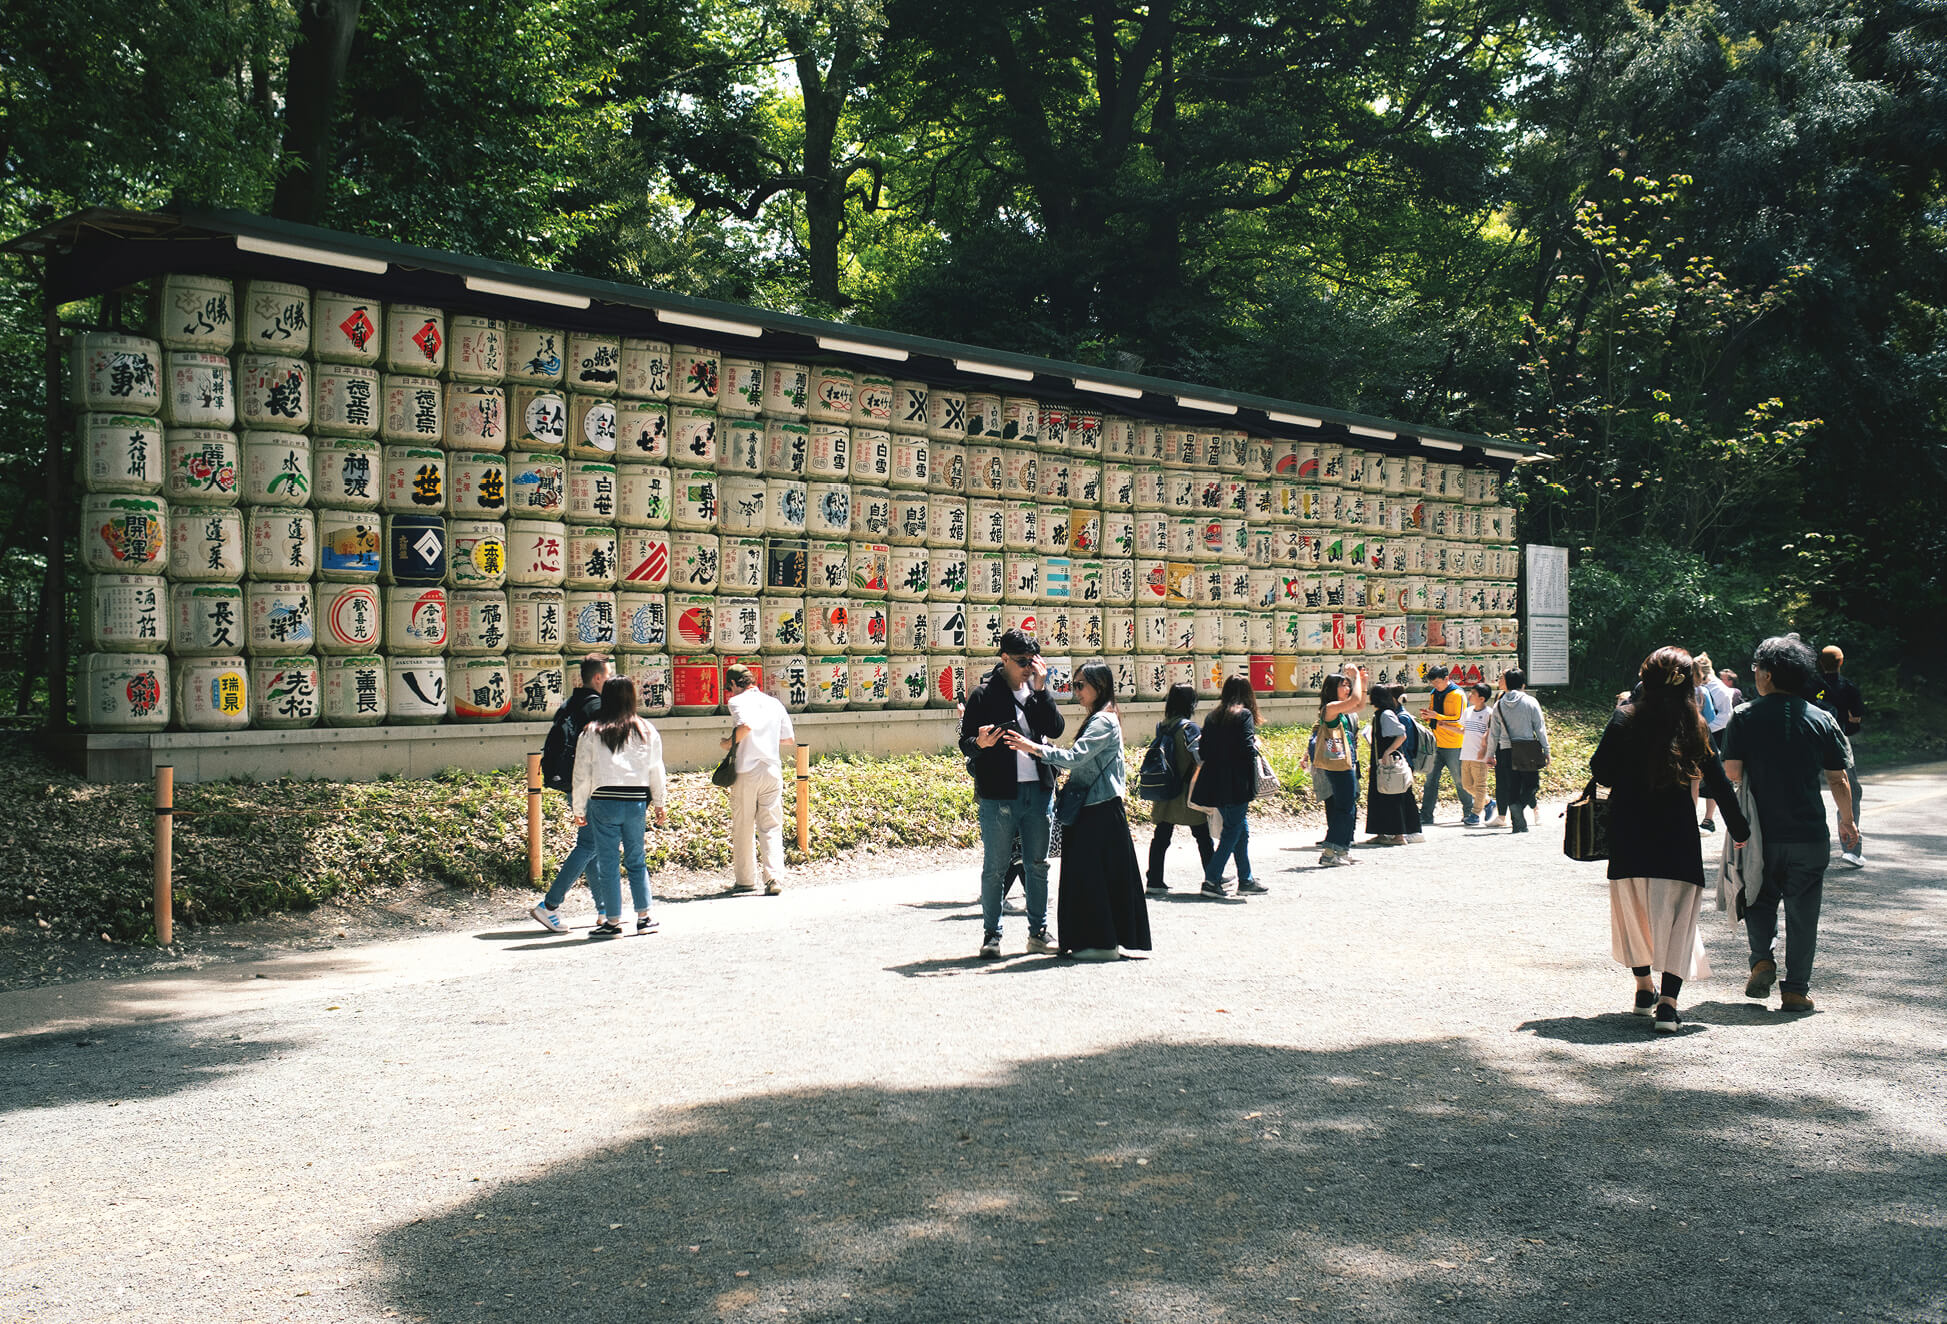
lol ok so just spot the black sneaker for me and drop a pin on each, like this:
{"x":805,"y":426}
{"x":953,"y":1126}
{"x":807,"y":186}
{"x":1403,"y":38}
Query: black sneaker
{"x":1707,"y":826}
{"x":1217,"y":890}
{"x":990,"y":947}
{"x":1158,"y":887}
{"x":1251,"y":887}
{"x":1645,"y":1002}
{"x":1667,"y":1019}
{"x":1041,"y":942}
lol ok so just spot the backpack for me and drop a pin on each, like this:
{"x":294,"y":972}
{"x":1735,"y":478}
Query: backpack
{"x":1416,"y":743}
{"x":1157,"y":778}
{"x":558,"y":751}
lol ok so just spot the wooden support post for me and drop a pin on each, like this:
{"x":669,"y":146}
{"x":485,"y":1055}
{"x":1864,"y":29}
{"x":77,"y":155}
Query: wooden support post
{"x":534,"y":789}
{"x":54,"y":587}
{"x":804,"y":799}
{"x":165,"y":853}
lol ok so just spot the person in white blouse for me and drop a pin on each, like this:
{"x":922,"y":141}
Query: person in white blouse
{"x":618,"y":778}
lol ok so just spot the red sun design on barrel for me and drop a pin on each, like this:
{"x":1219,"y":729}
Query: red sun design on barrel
{"x":695,"y":625}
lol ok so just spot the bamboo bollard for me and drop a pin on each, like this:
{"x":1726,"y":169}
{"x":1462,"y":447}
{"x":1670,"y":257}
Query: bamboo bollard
{"x":534,"y":819}
{"x":165,"y":850}
{"x":804,"y":799}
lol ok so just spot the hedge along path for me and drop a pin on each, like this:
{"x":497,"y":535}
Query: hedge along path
{"x":79,"y":857}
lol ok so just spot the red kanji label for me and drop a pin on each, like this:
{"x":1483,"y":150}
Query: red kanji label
{"x":653,"y":567}
{"x":358,"y":328}
{"x":427,"y":338}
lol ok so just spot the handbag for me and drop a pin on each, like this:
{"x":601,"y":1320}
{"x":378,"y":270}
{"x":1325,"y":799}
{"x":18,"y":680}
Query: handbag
{"x":726,"y":773}
{"x":1585,"y":834}
{"x":1392,"y":775}
{"x":1070,"y":799}
{"x":1528,"y":755}
{"x":1268,"y":784}
{"x":1330,"y":751}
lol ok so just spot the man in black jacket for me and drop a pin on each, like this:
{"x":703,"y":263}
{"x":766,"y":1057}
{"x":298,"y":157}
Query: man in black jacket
{"x":1014,"y":790}
{"x":580,"y":709}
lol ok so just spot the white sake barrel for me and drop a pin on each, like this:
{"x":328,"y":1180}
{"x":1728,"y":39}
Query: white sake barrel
{"x":1266,"y":589}
{"x":740,"y":388}
{"x":830,"y":623}
{"x":787,"y":390}
{"x":476,"y":554}
{"x":828,"y":566}
{"x":947,"y":676}
{"x":695,"y":504}
{"x":476,"y":417}
{"x":787,"y":448}
{"x":1021,"y":472}
{"x":1265,"y":545}
{"x":829,"y":682}
{"x":1152,"y":576}
{"x":206,"y":620}
{"x":984,"y":415}
{"x":477,"y":485}
{"x":1086,"y":628}
{"x":1084,"y":433}
{"x":354,"y":690}
{"x":745,"y":505}
{"x":125,"y":613}
{"x":537,"y":553}
{"x":115,"y":374}
{"x":415,"y":339}
{"x":986,"y":525}
{"x":906,"y":627}
{"x":349,"y":401}
{"x":1361,"y":470}
{"x":1023,"y":578}
{"x":1416,"y":475}
{"x":911,"y":464}
{"x":415,"y":480}
{"x":1146,"y":447}
{"x":1118,"y":437}
{"x":987,"y":470}
{"x":1152,"y":678}
{"x":1057,"y":628}
{"x":591,"y":492}
{"x":1262,"y":632}
{"x":349,"y":546}
{"x":476,"y":349}
{"x":590,"y":620}
{"x":909,"y":401}
{"x":655,"y":681}
{"x":788,"y":503}
{"x":535,"y":354}
{"x":868,"y":684}
{"x":1237,"y":631}
{"x":946,"y":521}
{"x":642,"y":431}
{"x":828,"y":456}
{"x":538,"y":419}
{"x":986,"y":623}
{"x":641,"y":621}
{"x":871,"y":621}
{"x":1021,"y":421}
{"x":195,"y":312}
{"x":1052,"y":433}
{"x":872,"y":513}
{"x":1236,"y":451}
{"x":1392,"y":474}
{"x":198,"y":390}
{"x":592,"y":427}
{"x":1155,"y":629}
{"x":946,"y":627}
{"x":1051,"y":475}
{"x":946,"y":464}
{"x":872,"y":454}
{"x":1023,"y":617}
{"x":592,"y":556}
{"x":1153,"y":493}
{"x":1051,"y":530}
{"x":287,"y":693}
{"x":537,"y":619}
{"x":594,"y":362}
{"x":949,"y":573}
{"x":908,"y":678}
{"x":273,"y":393}
{"x":828,"y":509}
{"x":1119,"y":581}
{"x":479,"y":689}
{"x":1085,"y":483}
{"x":276,"y":469}
{"x":539,"y":684}
{"x":872,"y":401}
{"x":212,"y":693}
{"x":644,"y":370}
{"x":781,"y":625}
{"x":1152,"y":534}
{"x":1237,"y":586}
{"x":1234,"y":497}
{"x":1118,"y":630}
{"x":987,"y":575}
{"x":283,"y":543}
{"x":1206,"y":631}
{"x":740,"y":446}
{"x":785,"y":678}
{"x":346,"y":328}
{"x":1183,"y":490}
{"x":696,"y":562}
{"x":1233,"y":540}
{"x":1118,"y":487}
{"x":643,"y":495}
{"x":742,"y":559}
{"x":203,"y":466}
{"x":832,"y":394}
{"x":1056,"y":572}
{"x":415,"y":690}
{"x":415,"y":620}
{"x":412,"y":410}
{"x":1021,"y":530}
{"x":349,"y":619}
{"x":120,"y":453}
{"x":909,"y":573}
{"x":946,"y":415}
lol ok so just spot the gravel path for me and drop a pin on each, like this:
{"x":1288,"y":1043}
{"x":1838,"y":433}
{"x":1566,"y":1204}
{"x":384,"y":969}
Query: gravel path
{"x":1401,"y":1091}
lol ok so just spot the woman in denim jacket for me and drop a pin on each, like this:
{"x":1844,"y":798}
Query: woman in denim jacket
{"x":1100,"y":907}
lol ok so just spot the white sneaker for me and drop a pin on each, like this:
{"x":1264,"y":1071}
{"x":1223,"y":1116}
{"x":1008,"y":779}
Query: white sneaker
{"x":548,"y":919}
{"x":1853,"y":858}
{"x":1416,"y":836}
{"x":1332,"y":859}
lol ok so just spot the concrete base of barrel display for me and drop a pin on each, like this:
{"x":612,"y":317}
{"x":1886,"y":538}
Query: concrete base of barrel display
{"x":367,"y":753}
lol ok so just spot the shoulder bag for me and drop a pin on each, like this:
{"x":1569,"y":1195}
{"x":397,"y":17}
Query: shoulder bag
{"x":726,"y":773}
{"x":1528,"y":755}
{"x":1268,"y":784}
{"x":1330,"y":750}
{"x":1585,"y":835}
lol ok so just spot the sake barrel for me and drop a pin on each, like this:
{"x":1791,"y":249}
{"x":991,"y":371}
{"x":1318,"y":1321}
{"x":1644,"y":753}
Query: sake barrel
{"x":1084,"y":432}
{"x":115,"y":373}
{"x":644,"y":370}
{"x":987,"y":621}
{"x":346,"y":328}
{"x":696,"y":562}
{"x":212,"y":693}
{"x":871,"y":456}
{"x":946,"y":415}
{"x":830,"y":623}
{"x":349,"y":546}
{"x":869,"y":683}
{"x":1055,"y":573}
{"x":695,"y":503}
{"x":641,"y":621}
{"x":909,"y":573}
{"x":283,"y":543}
{"x":538,"y":684}
{"x":910,"y":465}
{"x":1021,"y":529}
{"x":740,"y":446}
{"x":1021,"y":472}
{"x":1118,"y":437}
{"x":1051,"y":531}
{"x":1205,"y":673}
{"x":195,"y":312}
{"x":947,"y":677}
{"x":1022,"y":617}
{"x":740,"y":388}
{"x":787,"y":390}
{"x":1392,"y":474}
{"x":870,"y":626}
{"x":416,"y":690}
{"x":476,"y":417}
{"x":786,"y":679}
{"x":592,"y":427}
{"x":1152,"y":678}
{"x":696,"y":685}
{"x":348,"y":619}
{"x":908,"y":678}
{"x":1021,"y":420}
{"x":1359,"y":470}
{"x":1119,"y":582}
{"x":538,"y":419}
{"x":984,"y":416}
{"x":641,"y":430}
{"x":354,"y":688}
{"x":949,"y":574}
{"x":121,"y":453}
{"x":829,"y":455}
{"x":947,"y":467}
{"x":415,"y":339}
{"x":415,"y":480}
{"x":833,"y":390}
{"x":594,"y":362}
{"x":125,"y":613}
{"x":786,"y":566}
{"x":124,"y":692}
{"x":287,"y":693}
{"x":591,"y":492}
{"x":203,"y":466}
{"x":909,"y":400}
{"x":1155,"y":629}
{"x":986,"y":525}
{"x":987,"y":470}
{"x":412,"y":410}
{"x":534,"y":354}
{"x":1152,"y":491}
{"x":1053,"y":430}
{"x":1206,"y":631}
{"x":592,"y":556}
{"x":828,"y":508}
{"x":276,"y":469}
{"x":476,"y":349}
{"x":872,"y":401}
{"x":1023,"y":578}
{"x":787,"y":448}
{"x":1085,"y":483}
{"x":1311,"y":673}
{"x":415,"y":620}
{"x":987,"y":575}
{"x":781,"y":625}
{"x":477,"y":485}
{"x":643,"y":495}
{"x":348,"y":401}
{"x":1086,"y":628}
{"x":477,"y":554}
{"x":1051,"y":477}
{"x":197,"y":391}
{"x":415,"y":550}
{"x":744,"y":505}
{"x":871,"y":513}
{"x":946,"y":627}
{"x":743,"y":564}
{"x":654,"y":681}
{"x":1261,"y":632}
{"x":480,"y":689}
{"x":828,"y":683}
{"x":906,"y":630}
{"x":536,"y":619}
{"x":1057,"y":627}
{"x":590,"y":617}
{"x":206,"y":620}
{"x":1118,"y":487}
{"x":946,"y":521}
{"x":537,"y":553}
{"x":870,"y":570}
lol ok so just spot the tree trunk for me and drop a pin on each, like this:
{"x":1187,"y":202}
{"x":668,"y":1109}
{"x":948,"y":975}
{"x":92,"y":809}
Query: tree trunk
{"x":825,"y":94}
{"x":324,"y":44}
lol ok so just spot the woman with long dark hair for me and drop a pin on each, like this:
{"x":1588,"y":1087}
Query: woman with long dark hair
{"x":1392,"y":817}
{"x":618,"y":775}
{"x":1100,"y":907}
{"x":1334,"y":760}
{"x":1227,"y":781}
{"x":1654,"y":750}
{"x":1182,"y":739}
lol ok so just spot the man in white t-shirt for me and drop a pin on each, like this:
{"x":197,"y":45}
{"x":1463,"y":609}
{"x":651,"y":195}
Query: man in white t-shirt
{"x":757,"y":796}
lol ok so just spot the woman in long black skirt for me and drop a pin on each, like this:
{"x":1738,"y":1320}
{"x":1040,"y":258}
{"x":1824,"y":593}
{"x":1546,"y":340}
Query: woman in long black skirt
{"x":1393,"y":819}
{"x":1100,"y":907}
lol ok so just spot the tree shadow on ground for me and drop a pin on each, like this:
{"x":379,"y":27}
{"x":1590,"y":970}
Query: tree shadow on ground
{"x":59,"y":1068}
{"x":1160,"y":1181}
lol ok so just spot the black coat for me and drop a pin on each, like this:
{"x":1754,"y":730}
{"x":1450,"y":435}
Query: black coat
{"x":992,"y":704}
{"x":1229,"y":749}
{"x":1653,"y":829}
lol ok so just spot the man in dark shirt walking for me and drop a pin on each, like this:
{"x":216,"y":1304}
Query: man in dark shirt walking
{"x":1783,"y":744}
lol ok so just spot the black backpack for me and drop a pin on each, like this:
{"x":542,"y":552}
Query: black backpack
{"x":1157,"y":778}
{"x":558,"y":750}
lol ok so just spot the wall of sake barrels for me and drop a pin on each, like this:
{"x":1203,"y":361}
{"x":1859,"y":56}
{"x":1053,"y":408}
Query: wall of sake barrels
{"x":304,"y":507}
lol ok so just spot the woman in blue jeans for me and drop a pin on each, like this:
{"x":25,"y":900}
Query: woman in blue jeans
{"x":1339,"y":700}
{"x":1227,"y":780}
{"x":618,"y":777}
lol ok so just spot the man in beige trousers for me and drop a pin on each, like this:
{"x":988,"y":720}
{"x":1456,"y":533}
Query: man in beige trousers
{"x":757,"y":796}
